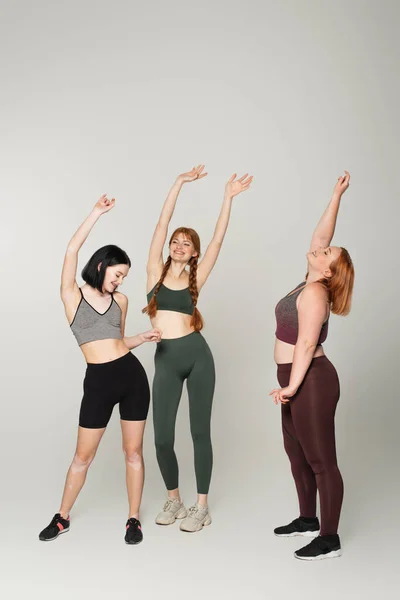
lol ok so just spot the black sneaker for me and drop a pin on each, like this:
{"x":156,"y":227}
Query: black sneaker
{"x":134,"y":533}
{"x":52,"y":531}
{"x":300,"y":526}
{"x":325,"y":546}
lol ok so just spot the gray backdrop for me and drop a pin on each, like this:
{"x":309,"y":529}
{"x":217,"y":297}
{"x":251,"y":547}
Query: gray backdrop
{"x":121,"y":97}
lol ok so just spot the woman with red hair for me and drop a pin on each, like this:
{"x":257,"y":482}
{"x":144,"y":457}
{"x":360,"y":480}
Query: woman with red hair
{"x":310,"y":385}
{"x":183,"y":354}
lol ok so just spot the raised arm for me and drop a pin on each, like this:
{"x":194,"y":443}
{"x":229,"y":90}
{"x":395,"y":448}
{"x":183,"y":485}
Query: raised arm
{"x":155,"y":260}
{"x":313,"y":310}
{"x":69,"y":287}
{"x":232,"y":189}
{"x":325,"y":229}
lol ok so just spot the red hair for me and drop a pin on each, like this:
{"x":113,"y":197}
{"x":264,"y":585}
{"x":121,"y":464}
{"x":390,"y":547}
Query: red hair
{"x":340,"y":284}
{"x":151,"y":309}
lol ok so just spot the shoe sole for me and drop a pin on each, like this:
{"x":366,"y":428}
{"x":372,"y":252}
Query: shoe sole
{"x":311,"y":534}
{"x":183,"y":516}
{"x":54,"y":538}
{"x":333,"y":554}
{"x":133,"y":543}
{"x":205,"y":524}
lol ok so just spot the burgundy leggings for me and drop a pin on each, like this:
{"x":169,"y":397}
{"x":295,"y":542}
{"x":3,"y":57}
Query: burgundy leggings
{"x":309,"y":439}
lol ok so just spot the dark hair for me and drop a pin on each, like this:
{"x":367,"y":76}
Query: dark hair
{"x":108,"y":256}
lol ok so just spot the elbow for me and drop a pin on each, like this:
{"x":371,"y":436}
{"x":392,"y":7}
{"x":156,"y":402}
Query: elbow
{"x":307,"y":346}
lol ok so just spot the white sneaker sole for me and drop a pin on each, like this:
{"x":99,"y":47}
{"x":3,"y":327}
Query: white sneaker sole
{"x":311,"y":534}
{"x":206,"y":523}
{"x":55,"y":537}
{"x":182,"y":515}
{"x":333,"y":554}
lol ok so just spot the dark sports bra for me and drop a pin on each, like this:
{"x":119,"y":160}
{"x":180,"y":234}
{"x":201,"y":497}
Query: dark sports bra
{"x":89,"y":325}
{"x":175,"y":300}
{"x":287,"y":319}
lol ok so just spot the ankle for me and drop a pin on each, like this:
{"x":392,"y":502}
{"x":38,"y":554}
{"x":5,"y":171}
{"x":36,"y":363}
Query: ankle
{"x":175,"y":497}
{"x":64,"y":515}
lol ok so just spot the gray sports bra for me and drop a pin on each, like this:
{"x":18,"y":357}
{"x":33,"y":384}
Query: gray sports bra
{"x":89,"y":325}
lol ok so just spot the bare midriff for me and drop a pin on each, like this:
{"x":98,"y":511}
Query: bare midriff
{"x":284,"y":352}
{"x":172,"y":324}
{"x":102,"y":351}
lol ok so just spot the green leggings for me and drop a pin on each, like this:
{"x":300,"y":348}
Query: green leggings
{"x":189,"y":358}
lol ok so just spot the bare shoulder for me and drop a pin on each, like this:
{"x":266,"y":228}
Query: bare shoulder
{"x":314,"y":292}
{"x":121,"y":299}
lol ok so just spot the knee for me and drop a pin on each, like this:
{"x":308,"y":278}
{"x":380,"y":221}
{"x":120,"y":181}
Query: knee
{"x":322,"y":467}
{"x":81,"y":462}
{"x":134,"y":457}
{"x":201,"y":437}
{"x":164,"y":444}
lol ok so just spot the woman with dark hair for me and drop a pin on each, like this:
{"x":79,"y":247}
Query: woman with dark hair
{"x":310,"y":385}
{"x":183,"y":353}
{"x":97,"y":315}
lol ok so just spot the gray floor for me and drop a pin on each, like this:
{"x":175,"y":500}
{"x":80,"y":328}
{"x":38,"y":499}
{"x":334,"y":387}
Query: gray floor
{"x":236,"y":557}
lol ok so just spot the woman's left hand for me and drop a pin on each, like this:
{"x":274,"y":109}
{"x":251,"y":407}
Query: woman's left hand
{"x":154,"y":335}
{"x":236,"y":186}
{"x":282,"y":395}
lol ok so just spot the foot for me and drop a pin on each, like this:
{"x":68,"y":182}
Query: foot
{"x":173,"y":509}
{"x":133,"y":533}
{"x":52,"y":531}
{"x":197,"y":518}
{"x":308,"y":528}
{"x":324,"y":546}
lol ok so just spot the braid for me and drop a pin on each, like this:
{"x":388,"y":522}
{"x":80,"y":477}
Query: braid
{"x":151,"y":308}
{"x":196,"y":320}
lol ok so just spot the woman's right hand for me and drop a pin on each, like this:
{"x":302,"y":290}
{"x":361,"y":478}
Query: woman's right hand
{"x":103,"y":204}
{"x":342,"y":184}
{"x":195,"y":173}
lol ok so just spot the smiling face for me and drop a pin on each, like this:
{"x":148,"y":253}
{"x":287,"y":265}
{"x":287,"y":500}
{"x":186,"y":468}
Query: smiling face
{"x":181,"y":248}
{"x":114,"y":277}
{"x":321,"y":258}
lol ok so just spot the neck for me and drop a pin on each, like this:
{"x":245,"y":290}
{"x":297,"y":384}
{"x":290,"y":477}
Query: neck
{"x":176,"y":269}
{"x":314,"y":276}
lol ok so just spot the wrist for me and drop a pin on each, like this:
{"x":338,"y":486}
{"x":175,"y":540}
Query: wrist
{"x":96,"y":212}
{"x":337,"y":196}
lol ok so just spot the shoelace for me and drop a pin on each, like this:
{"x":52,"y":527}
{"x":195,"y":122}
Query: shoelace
{"x":54,"y":521}
{"x":168,"y":505}
{"x":193,"y":511}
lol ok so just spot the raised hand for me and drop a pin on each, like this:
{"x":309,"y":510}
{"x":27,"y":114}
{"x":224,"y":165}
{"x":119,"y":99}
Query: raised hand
{"x":343,"y":183}
{"x":195,"y":173}
{"x":236,"y":186}
{"x":103,"y":204}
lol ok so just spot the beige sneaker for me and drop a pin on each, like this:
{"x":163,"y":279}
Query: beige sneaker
{"x":173,"y":509}
{"x":197,"y":518}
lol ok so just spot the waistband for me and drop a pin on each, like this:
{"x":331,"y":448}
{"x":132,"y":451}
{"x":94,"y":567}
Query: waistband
{"x":180,"y":340}
{"x":110,"y":363}
{"x":287,"y":367}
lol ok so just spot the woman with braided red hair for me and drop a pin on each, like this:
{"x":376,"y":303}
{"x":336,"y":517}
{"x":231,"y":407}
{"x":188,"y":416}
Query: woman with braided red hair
{"x":182,"y":352}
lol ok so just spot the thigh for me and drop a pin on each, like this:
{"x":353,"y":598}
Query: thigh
{"x":313,"y":412}
{"x":134,"y":403}
{"x":167,"y":391}
{"x":97,"y":403}
{"x":132,"y":434}
{"x":201,"y":386}
{"x":88,"y":440}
